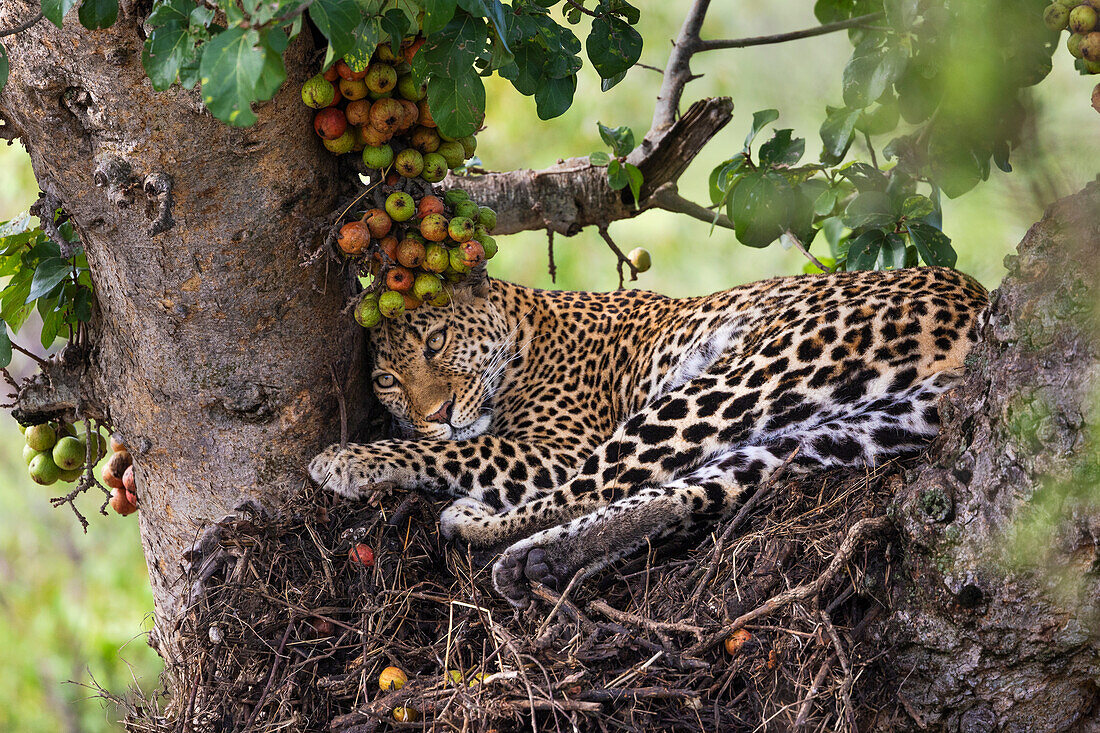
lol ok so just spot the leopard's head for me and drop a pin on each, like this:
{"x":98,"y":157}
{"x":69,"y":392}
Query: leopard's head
{"x":436,"y":369}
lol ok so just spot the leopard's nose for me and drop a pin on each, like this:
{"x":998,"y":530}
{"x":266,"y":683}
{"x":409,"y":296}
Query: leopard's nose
{"x":443,"y":414}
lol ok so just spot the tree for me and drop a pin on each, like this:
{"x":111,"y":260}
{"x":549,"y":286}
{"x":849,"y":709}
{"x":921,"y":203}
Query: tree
{"x":194,"y":227}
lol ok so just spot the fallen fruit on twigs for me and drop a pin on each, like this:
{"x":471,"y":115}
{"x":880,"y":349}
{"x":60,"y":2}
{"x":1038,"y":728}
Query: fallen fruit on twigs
{"x":736,"y":640}
{"x":392,"y":678}
{"x":361,"y":554}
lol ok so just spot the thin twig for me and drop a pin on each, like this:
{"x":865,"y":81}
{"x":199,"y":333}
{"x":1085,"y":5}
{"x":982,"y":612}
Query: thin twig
{"x":623,"y":259}
{"x":668,"y":198}
{"x":630,"y":618}
{"x":846,"y":686}
{"x":583,"y":9}
{"x":802,"y":248}
{"x":41,"y":362}
{"x":678,"y":69}
{"x":25,"y":25}
{"x":552,"y":268}
{"x":840,"y":25}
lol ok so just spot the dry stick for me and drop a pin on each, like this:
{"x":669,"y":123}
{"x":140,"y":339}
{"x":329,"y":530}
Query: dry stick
{"x":619,"y":253}
{"x":808,"y":701}
{"x":804,"y":591}
{"x":630,"y":618}
{"x":553,"y":268}
{"x":820,"y":30}
{"x":846,"y":686}
{"x":802,"y":248}
{"x":41,"y":362}
{"x":270,"y":676}
{"x":756,"y":498}
{"x":678,"y":69}
{"x":22,"y":26}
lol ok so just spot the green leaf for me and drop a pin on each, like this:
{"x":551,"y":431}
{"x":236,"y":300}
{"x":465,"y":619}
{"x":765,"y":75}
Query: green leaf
{"x":337,"y":21}
{"x":599,"y":158}
{"x":613,"y":46}
{"x":825,"y":202}
{"x":725,"y":176}
{"x":616,"y":176}
{"x":869,"y":209}
{"x":869,"y":73}
{"x":171,"y":11}
{"x":367,"y":36}
{"x":4,"y":67}
{"x":457,"y":102}
{"x":917,"y":207}
{"x":619,"y":139}
{"x":554,"y":97}
{"x":758,"y":208}
{"x":167,"y":49}
{"x":837,"y":133}
{"x":865,"y":249}
{"x":490,"y":9}
{"x":47,"y":275}
{"x":51,"y":324}
{"x":82,"y":305}
{"x":892,"y":254}
{"x":96,"y":14}
{"x":900,"y":14}
{"x":239,"y":68}
{"x":933,"y":246}
{"x":636,"y":180}
{"x":759,"y":121}
{"x":5,"y":346}
{"x":782,"y":150}
{"x":55,"y":10}
{"x":437,"y":14}
{"x":607,"y":84}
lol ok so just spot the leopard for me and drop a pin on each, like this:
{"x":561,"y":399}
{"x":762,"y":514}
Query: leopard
{"x":571,"y":429}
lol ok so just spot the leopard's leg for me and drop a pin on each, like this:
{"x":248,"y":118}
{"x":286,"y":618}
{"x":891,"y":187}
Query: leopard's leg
{"x":456,"y":468}
{"x":866,"y":433}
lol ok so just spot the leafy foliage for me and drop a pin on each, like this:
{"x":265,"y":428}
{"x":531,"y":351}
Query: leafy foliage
{"x":241,"y":64}
{"x":38,"y":278}
{"x":945,"y":72}
{"x":620,"y":174}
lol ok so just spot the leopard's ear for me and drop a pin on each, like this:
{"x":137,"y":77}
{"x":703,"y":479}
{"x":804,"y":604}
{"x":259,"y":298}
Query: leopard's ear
{"x":475,"y":286}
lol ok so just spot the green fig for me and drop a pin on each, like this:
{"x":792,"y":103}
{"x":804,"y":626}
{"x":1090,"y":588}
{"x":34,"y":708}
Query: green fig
{"x":317,"y":92}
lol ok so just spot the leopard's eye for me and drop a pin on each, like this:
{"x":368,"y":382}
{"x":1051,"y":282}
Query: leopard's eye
{"x":384,"y":381}
{"x":437,"y":341}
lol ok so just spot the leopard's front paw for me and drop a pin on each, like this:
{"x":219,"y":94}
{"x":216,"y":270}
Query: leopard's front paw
{"x":464,"y":518}
{"x":524,"y":563}
{"x":339,"y":470}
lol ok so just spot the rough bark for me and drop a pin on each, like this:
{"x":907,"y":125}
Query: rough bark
{"x":997,"y":622}
{"x":212,"y":346}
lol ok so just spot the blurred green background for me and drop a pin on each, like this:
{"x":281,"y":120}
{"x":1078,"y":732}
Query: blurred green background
{"x":76,"y":605}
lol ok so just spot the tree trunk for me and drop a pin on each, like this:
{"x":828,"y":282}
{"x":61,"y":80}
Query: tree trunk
{"x":213,"y":350}
{"x":996,"y":625}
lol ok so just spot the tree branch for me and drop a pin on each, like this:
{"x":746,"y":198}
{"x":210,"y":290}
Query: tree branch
{"x":678,"y":69}
{"x":29,"y":23}
{"x":668,"y":197}
{"x":820,"y":30}
{"x":573,"y":194}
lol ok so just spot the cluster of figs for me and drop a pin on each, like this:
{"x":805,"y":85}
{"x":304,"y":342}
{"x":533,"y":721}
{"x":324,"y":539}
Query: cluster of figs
{"x":413,"y":240}
{"x":57,"y":451}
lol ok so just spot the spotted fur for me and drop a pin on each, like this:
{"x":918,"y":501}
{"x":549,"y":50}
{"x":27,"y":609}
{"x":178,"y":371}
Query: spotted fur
{"x":576,"y":427}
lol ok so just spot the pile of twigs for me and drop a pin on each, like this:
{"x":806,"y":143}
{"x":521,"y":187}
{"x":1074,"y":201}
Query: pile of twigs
{"x":294,"y":634}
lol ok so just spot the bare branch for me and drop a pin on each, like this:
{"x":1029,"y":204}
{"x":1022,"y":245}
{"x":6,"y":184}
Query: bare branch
{"x":820,"y":30}
{"x":623,"y":259}
{"x":668,"y":198}
{"x":29,"y":23}
{"x":678,"y":69}
{"x":802,"y":248}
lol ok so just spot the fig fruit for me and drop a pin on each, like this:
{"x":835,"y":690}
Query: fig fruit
{"x":380,"y":78}
{"x":426,"y":118}
{"x":391,"y":304}
{"x":28,"y":454}
{"x":436,"y":258}
{"x":427,"y":286}
{"x":453,"y":153}
{"x":489,"y":245}
{"x":469,"y":144}
{"x":353,"y":89}
{"x":434,"y":227}
{"x":1090,"y":47}
{"x":41,"y":437}
{"x":457,"y":263}
{"x":354,"y":238}
{"x":1073,"y":44}
{"x":442,"y":299}
{"x":121,"y":503}
{"x":736,"y":640}
{"x":400,"y":206}
{"x":400,"y":279}
{"x":367,"y":314}
{"x":435,"y":168}
{"x":384,"y":52}
{"x":411,"y":302}
{"x":343,"y":144}
{"x":473,"y":254}
{"x":1082,"y":19}
{"x":317,"y":92}
{"x":409,"y":162}
{"x":425,"y":139}
{"x":386,"y":115}
{"x":454,"y":195}
{"x":43,"y":470}
{"x":466,"y":208}
{"x":487,"y":217}
{"x":1056,"y":16}
{"x":405,"y":714}
{"x":640,"y":258}
{"x":392,"y":678}
{"x":461,"y":229}
{"x":388,"y":246}
{"x":409,"y":89}
{"x":129,"y":480}
{"x":379,"y":222}
{"x":330,"y":123}
{"x":332,"y":74}
{"x":410,"y":253}
{"x":68,"y":453}
{"x":358,"y":112}
{"x":429,"y":205}
{"x":378,"y":156}
{"x":346,"y":72}
{"x":70,"y":475}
